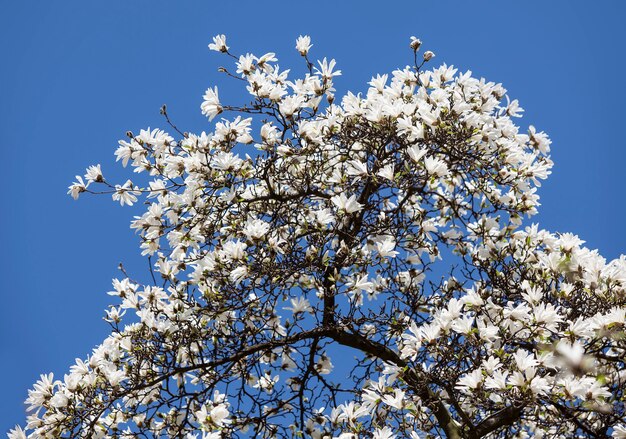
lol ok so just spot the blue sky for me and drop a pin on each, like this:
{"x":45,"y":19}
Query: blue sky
{"x":77,"y":75}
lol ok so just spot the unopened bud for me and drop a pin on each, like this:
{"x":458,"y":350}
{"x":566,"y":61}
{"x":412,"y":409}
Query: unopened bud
{"x":129,"y":134}
{"x":416,"y":43}
{"x":428,"y":55}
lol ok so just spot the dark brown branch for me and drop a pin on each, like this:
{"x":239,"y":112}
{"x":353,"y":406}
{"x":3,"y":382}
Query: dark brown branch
{"x":412,"y":378}
{"x":504,"y":417}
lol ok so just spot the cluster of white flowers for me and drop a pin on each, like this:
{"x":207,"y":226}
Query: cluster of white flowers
{"x":303,"y":224}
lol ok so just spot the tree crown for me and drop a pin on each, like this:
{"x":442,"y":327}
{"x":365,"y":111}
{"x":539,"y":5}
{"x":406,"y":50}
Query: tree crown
{"x":298,"y":280}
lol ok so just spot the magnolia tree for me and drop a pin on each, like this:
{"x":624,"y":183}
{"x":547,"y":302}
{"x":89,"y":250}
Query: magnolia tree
{"x":343,"y":268}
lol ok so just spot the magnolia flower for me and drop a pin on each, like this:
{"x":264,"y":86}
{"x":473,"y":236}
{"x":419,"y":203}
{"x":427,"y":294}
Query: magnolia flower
{"x":125,"y":194}
{"x":470,"y":381}
{"x":41,"y":391}
{"x":326,"y":69}
{"x":266,"y":382}
{"x":619,"y":431}
{"x":513,"y":109}
{"x":345,"y":204}
{"x":413,"y":131}
{"x":211,"y":105}
{"x":94,"y":174}
{"x":428,"y":55}
{"x":361,"y":283}
{"x":219,"y":44}
{"x":416,"y":153}
{"x":155,"y":137}
{"x":463,"y":325}
{"x":226,"y":161}
{"x":524,"y":360}
{"x":270,"y":134}
{"x":491,"y":364}
{"x":256,"y":228}
{"x":387,"y":172}
{"x":357,"y":167}
{"x":125,"y":151}
{"x":378,"y":82}
{"x":264,"y":61}
{"x":386,"y":248}
{"x":219,"y":415}
{"x":234,"y":250}
{"x":245,"y":65}
{"x":597,"y":391}
{"x":299,"y":305}
{"x":569,"y":241}
{"x":324,"y":217}
{"x":396,"y":401}
{"x":497,"y":380}
{"x":290,"y":105}
{"x":436,"y":166}
{"x":76,"y":188}
{"x":238,"y":274}
{"x":384,"y":433}
{"x":59,"y":400}
{"x":17,"y":433}
{"x":303,"y":44}
{"x":324,"y":366}
{"x":351,"y":412}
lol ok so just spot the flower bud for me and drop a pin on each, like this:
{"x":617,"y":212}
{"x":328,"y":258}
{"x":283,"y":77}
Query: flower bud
{"x":416,"y":43}
{"x":428,"y":55}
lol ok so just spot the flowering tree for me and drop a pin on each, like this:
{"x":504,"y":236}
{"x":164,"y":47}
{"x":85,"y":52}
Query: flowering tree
{"x":299,"y":286}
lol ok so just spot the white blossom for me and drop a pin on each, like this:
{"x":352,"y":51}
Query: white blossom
{"x":345,"y":204}
{"x":303,"y":44}
{"x":219,"y":44}
{"x":211,"y":104}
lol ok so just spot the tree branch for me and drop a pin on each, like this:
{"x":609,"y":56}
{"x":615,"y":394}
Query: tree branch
{"x":413,"y":379}
{"x":506,"y":416}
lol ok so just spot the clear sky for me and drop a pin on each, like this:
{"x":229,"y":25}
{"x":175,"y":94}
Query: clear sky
{"x":76,"y":75}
